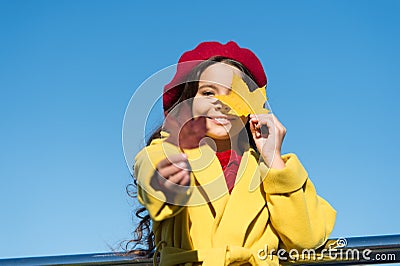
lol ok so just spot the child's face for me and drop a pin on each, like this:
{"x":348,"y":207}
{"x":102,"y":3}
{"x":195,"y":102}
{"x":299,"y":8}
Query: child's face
{"x":217,"y":80}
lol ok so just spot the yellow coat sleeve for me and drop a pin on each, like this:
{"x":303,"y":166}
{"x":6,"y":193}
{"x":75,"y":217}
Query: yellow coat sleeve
{"x":301,"y":218}
{"x":158,"y":205}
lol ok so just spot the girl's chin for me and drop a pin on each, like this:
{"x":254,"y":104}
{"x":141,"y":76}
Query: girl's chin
{"x":218,"y":131}
{"x":222,"y":135}
{"x":218,"y":135}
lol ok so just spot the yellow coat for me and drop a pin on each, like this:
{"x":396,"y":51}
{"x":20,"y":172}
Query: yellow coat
{"x":208,"y":226}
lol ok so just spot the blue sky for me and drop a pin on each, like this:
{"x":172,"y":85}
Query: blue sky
{"x":69,"y":68}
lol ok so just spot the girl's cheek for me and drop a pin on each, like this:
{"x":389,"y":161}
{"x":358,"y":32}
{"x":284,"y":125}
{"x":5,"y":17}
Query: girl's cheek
{"x":201,"y":106}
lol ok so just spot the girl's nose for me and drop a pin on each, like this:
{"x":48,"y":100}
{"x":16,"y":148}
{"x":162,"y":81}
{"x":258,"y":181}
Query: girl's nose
{"x":219,"y":106}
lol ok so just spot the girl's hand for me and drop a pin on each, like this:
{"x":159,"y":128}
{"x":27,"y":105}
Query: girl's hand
{"x":184,"y":130}
{"x":268,"y":134}
{"x":172,"y":174}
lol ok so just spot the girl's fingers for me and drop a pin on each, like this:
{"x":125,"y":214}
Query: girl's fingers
{"x":172,"y":160}
{"x":253,"y":127}
{"x":263,"y":124}
{"x":173,"y":169}
{"x":279,"y":125}
{"x":180,"y":178}
{"x":185,"y":181}
{"x":280,"y":129}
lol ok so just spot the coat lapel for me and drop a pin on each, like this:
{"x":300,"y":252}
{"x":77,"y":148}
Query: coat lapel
{"x":243,"y":205}
{"x":211,"y":189}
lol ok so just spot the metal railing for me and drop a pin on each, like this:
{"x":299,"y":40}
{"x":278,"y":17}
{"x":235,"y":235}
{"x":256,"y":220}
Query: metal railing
{"x":344,"y":251}
{"x":351,"y":251}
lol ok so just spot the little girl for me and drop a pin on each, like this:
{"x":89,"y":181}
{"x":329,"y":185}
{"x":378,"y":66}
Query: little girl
{"x":214,"y":182}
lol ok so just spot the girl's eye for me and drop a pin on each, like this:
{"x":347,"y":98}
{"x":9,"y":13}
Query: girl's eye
{"x":207,"y":93}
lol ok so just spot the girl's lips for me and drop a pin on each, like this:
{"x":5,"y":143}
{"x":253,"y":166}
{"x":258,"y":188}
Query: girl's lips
{"x":220,"y":120}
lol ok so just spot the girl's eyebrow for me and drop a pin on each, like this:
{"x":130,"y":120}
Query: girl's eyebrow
{"x":208,"y":85}
{"x":213,"y":86}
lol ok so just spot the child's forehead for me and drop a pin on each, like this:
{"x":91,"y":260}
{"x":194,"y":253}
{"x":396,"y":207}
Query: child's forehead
{"x":220,"y":73}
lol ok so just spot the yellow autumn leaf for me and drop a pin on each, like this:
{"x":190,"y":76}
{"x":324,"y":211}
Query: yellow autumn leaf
{"x":242,"y":101}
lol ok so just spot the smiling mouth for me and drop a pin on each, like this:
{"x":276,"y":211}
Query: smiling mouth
{"x":221,"y":120}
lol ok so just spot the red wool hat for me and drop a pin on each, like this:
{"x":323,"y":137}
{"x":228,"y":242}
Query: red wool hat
{"x":204,"y":51}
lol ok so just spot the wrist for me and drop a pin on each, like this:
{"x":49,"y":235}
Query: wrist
{"x":278,"y":162}
{"x":274,"y":161}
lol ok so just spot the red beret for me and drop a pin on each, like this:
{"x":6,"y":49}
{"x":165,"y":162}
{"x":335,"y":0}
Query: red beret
{"x":204,"y":51}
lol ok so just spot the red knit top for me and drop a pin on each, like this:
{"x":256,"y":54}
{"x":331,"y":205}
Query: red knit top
{"x":230,"y":162}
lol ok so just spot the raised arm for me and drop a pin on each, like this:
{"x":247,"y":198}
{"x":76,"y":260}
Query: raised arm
{"x":301,"y":218}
